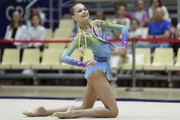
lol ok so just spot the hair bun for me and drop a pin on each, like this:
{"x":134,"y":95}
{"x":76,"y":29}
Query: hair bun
{"x":70,"y":6}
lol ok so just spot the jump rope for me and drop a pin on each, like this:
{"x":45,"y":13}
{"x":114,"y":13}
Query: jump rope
{"x":85,"y":42}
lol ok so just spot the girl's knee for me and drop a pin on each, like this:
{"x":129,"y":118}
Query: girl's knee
{"x":114,"y":113}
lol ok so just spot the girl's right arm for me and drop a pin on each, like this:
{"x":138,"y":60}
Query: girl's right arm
{"x":65,"y":57}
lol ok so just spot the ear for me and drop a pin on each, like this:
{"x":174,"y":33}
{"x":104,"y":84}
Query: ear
{"x":74,"y":18}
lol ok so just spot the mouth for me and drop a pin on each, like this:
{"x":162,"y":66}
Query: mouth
{"x":85,"y":15}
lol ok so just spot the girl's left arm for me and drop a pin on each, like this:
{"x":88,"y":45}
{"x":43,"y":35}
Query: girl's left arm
{"x":121,"y":28}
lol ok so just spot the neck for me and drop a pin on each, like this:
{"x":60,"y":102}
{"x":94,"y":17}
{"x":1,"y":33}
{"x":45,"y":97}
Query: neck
{"x":35,"y":26}
{"x":140,"y":10}
{"x":16,"y":25}
{"x":133,"y":29}
{"x":121,"y":16}
{"x":158,"y":21}
{"x":85,"y":26}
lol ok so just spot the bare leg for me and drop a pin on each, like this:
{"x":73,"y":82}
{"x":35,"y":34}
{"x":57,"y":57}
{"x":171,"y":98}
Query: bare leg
{"x":105,"y":93}
{"x":88,"y":102}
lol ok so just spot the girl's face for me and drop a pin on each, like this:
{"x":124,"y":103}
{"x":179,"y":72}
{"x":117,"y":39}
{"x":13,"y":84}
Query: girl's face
{"x":155,"y":3}
{"x":140,"y":4}
{"x":134,"y":24}
{"x":16,"y":17}
{"x":81,"y":14}
{"x":35,"y":20}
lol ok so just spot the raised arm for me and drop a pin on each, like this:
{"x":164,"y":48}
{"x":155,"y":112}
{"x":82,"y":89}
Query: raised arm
{"x":65,"y":57}
{"x":121,"y":28}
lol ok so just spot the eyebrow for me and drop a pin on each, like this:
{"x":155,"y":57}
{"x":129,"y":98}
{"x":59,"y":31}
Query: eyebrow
{"x":81,"y":8}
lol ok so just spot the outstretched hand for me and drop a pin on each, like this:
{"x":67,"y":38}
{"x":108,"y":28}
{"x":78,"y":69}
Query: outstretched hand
{"x":119,"y":51}
{"x":91,"y":63}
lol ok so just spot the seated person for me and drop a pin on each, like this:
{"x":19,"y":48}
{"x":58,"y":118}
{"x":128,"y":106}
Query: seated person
{"x":134,"y":33}
{"x":121,"y":16}
{"x":35,"y":32}
{"x":159,"y":28}
{"x":141,"y":15}
{"x":116,"y":59}
{"x":16,"y":31}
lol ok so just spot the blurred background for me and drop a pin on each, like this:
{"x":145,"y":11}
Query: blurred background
{"x":29,"y":63}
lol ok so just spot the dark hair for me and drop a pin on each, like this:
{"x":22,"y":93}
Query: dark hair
{"x":70,"y":7}
{"x":12,"y":22}
{"x":37,"y":15}
{"x":118,"y":4}
{"x":136,"y":21}
{"x":160,"y":5}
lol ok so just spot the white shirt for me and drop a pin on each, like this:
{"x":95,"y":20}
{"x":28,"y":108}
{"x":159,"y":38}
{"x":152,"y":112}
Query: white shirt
{"x":21,"y":34}
{"x":139,"y":16}
{"x":178,"y":27}
{"x":166,"y":13}
{"x":37,"y":33}
{"x":115,"y":21}
{"x":136,"y":33}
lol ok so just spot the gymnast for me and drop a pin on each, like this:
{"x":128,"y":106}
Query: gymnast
{"x":97,"y":70}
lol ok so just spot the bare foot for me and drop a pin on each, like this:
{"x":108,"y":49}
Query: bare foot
{"x":40,"y":111}
{"x":67,"y":114}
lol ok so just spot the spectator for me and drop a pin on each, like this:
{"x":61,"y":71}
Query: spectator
{"x":134,"y":32}
{"x":140,"y":14}
{"x":116,"y":7}
{"x":176,"y":46}
{"x":100,"y":14}
{"x":176,"y":33}
{"x":116,"y":59}
{"x":155,"y":4}
{"x":16,"y":31}
{"x":159,"y":28}
{"x":120,"y":16}
{"x":35,"y":32}
{"x":42,"y":15}
{"x":38,"y":12}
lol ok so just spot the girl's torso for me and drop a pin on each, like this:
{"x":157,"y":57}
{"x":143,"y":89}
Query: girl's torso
{"x":97,"y":42}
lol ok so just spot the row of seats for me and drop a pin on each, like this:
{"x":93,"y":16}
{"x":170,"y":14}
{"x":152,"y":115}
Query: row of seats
{"x":163,"y":60}
{"x":31,"y":59}
{"x":63,"y":32}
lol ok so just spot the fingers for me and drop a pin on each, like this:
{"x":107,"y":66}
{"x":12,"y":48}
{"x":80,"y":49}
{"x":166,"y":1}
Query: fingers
{"x":91,"y":63}
{"x":122,"y":50}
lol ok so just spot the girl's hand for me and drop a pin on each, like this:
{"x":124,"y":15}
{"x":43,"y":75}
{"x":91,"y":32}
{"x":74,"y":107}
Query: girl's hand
{"x":91,"y":63}
{"x":120,"y":50}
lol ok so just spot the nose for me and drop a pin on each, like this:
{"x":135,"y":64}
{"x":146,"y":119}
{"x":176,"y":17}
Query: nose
{"x":84,"y":11}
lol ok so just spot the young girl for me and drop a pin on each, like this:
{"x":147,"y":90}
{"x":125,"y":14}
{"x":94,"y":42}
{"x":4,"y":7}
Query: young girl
{"x":98,"y":69}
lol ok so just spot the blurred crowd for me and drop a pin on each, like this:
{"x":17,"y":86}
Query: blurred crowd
{"x":154,"y":23}
{"x":33,"y":29}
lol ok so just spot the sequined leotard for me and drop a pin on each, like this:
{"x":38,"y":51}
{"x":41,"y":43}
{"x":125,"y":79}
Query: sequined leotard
{"x":97,"y":42}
